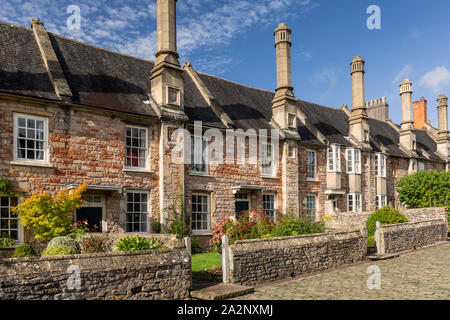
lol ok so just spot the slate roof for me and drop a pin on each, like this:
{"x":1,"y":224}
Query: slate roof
{"x":110,"y":80}
{"x":22,"y":71}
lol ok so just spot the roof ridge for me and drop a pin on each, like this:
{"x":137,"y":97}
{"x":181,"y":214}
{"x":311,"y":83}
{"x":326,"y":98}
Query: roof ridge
{"x":15,"y":25}
{"x":320,"y":105}
{"x":99,"y":48}
{"x":234,"y":82}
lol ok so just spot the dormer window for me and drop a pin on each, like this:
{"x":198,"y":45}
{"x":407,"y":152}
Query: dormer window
{"x":291,"y":121}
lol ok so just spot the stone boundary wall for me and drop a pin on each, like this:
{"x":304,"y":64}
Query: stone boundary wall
{"x":410,"y":236}
{"x":257,"y":261}
{"x":143,"y":275}
{"x":345,"y":221}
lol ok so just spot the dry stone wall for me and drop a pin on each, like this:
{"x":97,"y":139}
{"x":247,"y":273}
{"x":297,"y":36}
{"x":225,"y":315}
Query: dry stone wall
{"x":257,"y":261}
{"x":410,"y":236}
{"x":145,"y":275}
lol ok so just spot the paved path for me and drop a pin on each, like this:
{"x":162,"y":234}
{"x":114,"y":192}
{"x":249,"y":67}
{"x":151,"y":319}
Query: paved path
{"x":422,"y":274}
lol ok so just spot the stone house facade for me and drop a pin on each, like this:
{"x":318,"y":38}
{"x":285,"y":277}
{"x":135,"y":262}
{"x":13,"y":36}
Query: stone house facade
{"x":72,"y":113}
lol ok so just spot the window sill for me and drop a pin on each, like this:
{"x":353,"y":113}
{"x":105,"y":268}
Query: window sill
{"x":269,"y":177}
{"x":199,"y":174}
{"x":31,"y":164}
{"x":312,"y":180}
{"x":137,"y":170}
{"x":202,"y":233}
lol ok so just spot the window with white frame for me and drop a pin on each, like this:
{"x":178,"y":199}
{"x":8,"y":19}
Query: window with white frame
{"x":137,"y":212}
{"x":334,"y":158}
{"x":200,"y":213}
{"x":136,"y":145}
{"x":381,"y":201}
{"x":267,"y":159}
{"x":311,"y":165}
{"x":269,"y":205}
{"x":353,"y":160}
{"x":9,"y":221}
{"x":199,"y":155}
{"x":354,"y":202}
{"x":30,"y":138}
{"x":311,"y":207}
{"x":380,"y":165}
{"x":421,"y":165}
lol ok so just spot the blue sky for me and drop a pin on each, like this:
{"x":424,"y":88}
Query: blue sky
{"x":234,"y":40}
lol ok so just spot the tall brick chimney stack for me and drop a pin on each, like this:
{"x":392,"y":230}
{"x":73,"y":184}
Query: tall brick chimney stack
{"x":284,"y":103}
{"x":407,"y":131}
{"x":167,"y":86}
{"x":420,"y":113}
{"x":359,"y":127}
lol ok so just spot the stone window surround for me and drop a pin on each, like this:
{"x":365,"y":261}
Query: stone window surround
{"x":354,"y":198}
{"x":204,"y":156}
{"x":334,"y":158}
{"x":148,"y":210}
{"x":147,"y":162}
{"x":312,"y":215}
{"x":38,"y":163}
{"x":351,"y":158}
{"x":267,"y":174}
{"x":274,"y":195}
{"x":20,"y":233}
{"x":381,"y":201}
{"x":380,"y":165}
{"x":315,"y":165}
{"x":208,"y":216}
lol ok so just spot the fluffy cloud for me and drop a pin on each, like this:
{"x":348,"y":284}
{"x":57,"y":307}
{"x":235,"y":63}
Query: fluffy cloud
{"x":129,"y":26}
{"x":436,"y":80}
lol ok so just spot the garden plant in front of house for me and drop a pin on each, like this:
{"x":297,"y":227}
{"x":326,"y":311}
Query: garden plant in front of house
{"x":386,"y":216}
{"x":259,"y":225}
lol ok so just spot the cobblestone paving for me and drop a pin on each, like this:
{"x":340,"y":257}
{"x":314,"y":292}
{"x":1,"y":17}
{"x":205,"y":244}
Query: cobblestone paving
{"x":420,"y":275}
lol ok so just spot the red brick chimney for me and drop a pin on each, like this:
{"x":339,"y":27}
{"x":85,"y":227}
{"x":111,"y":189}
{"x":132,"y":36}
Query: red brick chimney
{"x":420,"y":113}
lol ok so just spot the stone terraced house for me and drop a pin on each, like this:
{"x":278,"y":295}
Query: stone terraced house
{"x":72,"y":113}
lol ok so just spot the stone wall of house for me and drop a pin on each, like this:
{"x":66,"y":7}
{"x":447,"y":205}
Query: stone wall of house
{"x":410,"y":236}
{"x":85,"y":145}
{"x":257,"y":261}
{"x":147,"y":275}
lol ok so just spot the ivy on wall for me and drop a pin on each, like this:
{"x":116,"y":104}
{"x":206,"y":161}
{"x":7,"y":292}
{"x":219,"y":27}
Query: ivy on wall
{"x":5,"y":187}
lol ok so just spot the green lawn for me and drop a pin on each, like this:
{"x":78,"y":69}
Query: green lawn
{"x":205,"y":261}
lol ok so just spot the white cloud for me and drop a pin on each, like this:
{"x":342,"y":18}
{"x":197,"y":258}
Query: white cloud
{"x":326,"y":78}
{"x":436,"y":80}
{"x":404,"y":73}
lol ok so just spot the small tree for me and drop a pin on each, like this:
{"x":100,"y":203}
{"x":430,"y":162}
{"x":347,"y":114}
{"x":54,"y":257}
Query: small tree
{"x":50,"y":216}
{"x":425,"y":189}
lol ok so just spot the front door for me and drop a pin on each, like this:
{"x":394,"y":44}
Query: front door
{"x":93,"y":216}
{"x":242,"y":203}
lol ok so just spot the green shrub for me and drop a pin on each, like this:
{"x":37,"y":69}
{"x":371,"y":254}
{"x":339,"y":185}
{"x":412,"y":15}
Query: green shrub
{"x":386,"y":216}
{"x":195,"y":245}
{"x":62,"y":241}
{"x":425,"y":189}
{"x":24,"y":251}
{"x":294,"y":227}
{"x":58,"y":251}
{"x":6,"y":241}
{"x":92,"y":245}
{"x":136,"y":243}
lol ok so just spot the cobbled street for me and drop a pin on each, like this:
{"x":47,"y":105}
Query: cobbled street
{"x":419,"y":275}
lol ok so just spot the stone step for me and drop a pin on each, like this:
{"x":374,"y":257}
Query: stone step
{"x":221,"y":292}
{"x":383,"y":256}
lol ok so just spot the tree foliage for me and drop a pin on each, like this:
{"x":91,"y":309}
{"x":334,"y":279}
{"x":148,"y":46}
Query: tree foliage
{"x":425,"y":189}
{"x":50,"y":216}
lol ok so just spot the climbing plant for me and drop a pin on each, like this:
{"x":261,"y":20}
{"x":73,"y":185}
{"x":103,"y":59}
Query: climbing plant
{"x":5,"y":186}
